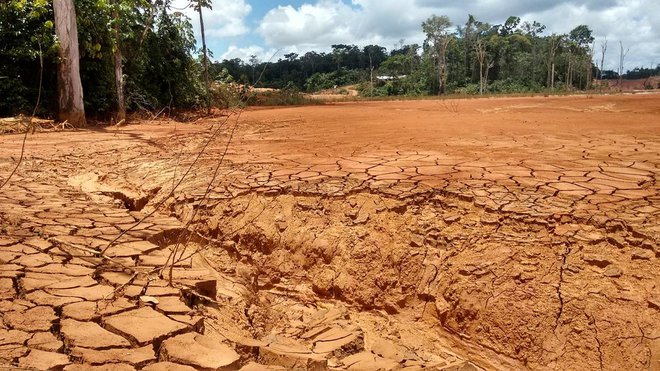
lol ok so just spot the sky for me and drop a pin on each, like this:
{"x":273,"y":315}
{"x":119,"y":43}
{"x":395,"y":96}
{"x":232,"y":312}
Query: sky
{"x":271,"y":28}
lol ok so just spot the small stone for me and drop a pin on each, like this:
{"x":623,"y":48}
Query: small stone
{"x":612,"y":271}
{"x":654,"y":302}
{"x":90,"y":335}
{"x":281,"y":225}
{"x":417,"y":241}
{"x":144,"y":325}
{"x":198,"y":351}
{"x":642,"y":255}
{"x":150,"y":300}
{"x":452,"y":219}
{"x":597,"y":260}
{"x":40,"y":360}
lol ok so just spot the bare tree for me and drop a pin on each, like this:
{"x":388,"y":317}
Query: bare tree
{"x":69,"y":86}
{"x":555,"y":42}
{"x":205,"y":58}
{"x":371,"y":75}
{"x":254,"y":62}
{"x":589,"y":62}
{"x":437,"y":30}
{"x":603,"y":51}
{"x":119,"y":72}
{"x":622,"y":58}
{"x":485,"y":64}
{"x":569,"y":71}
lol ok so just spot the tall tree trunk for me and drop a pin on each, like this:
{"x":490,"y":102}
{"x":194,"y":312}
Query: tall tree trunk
{"x":205,"y":62}
{"x":481,"y":77}
{"x":119,"y":71}
{"x":622,"y":58}
{"x":552,"y":77}
{"x":371,"y":74}
{"x":71,"y":106}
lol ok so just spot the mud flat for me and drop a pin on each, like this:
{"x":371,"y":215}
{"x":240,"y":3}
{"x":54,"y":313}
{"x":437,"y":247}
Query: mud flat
{"x":512,"y":233}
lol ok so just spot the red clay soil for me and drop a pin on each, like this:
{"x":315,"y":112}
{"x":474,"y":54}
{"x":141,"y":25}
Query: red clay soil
{"x":510,"y":233}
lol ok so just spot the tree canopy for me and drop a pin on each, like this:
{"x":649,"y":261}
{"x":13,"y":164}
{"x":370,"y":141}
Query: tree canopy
{"x":161,"y":64}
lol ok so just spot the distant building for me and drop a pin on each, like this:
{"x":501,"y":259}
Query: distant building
{"x":390,"y":78}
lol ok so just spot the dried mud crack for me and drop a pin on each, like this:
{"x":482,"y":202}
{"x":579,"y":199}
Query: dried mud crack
{"x":447,"y":244}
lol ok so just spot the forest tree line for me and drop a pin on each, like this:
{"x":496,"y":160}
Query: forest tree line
{"x":470,"y":58}
{"x":141,"y":55}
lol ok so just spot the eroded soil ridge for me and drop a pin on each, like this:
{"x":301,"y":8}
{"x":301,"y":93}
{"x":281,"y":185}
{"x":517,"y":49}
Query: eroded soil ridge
{"x":370,"y":236}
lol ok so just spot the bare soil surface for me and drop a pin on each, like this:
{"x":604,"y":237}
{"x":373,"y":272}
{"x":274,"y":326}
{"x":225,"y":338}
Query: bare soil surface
{"x":511,"y":233}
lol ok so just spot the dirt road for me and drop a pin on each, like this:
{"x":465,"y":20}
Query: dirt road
{"x":510,"y":233}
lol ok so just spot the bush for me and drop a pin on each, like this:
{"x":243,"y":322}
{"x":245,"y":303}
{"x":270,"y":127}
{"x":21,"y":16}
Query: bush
{"x":507,"y":86}
{"x":289,"y":96}
{"x":230,"y":95}
{"x":330,"y":80}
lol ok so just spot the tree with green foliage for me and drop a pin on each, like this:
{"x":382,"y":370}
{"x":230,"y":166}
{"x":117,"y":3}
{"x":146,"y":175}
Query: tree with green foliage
{"x":69,"y":86}
{"x":438,"y":37}
{"x":199,"y":4}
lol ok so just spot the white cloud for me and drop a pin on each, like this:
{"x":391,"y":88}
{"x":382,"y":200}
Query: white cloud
{"x":263,"y":54}
{"x":226,"y":19}
{"x":385,"y":22}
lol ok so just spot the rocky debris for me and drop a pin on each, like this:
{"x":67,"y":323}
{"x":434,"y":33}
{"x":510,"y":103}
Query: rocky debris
{"x":642,"y":255}
{"x":612,"y":271}
{"x":199,"y":351}
{"x":654,"y":302}
{"x":597,"y":260}
{"x":335,"y":339}
{"x":291,"y":358}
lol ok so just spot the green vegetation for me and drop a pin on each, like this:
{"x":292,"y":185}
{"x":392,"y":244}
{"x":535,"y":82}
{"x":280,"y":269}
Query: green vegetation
{"x":159,"y":67}
{"x":141,"y":55}
{"x":467,"y":59}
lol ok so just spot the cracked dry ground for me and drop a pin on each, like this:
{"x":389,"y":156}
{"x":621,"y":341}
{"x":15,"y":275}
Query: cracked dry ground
{"x":517,"y":233}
